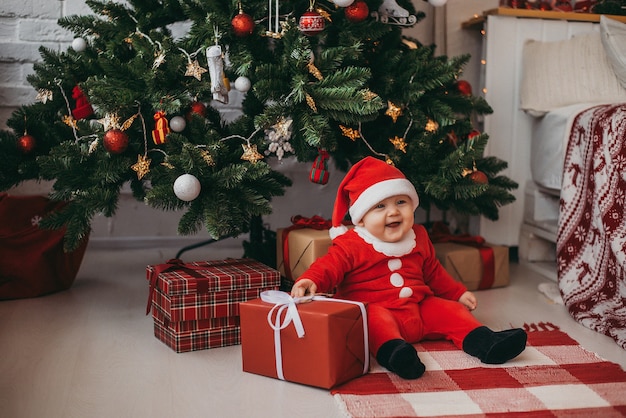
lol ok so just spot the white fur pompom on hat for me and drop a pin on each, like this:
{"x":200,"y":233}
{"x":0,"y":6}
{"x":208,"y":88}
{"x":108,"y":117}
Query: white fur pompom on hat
{"x":368,"y":182}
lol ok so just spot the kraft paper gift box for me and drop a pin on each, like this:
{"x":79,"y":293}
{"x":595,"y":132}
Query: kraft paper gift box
{"x":332,"y":350}
{"x":304,"y":247}
{"x":304,"y":242}
{"x":196,"y":305}
{"x":465,"y":264}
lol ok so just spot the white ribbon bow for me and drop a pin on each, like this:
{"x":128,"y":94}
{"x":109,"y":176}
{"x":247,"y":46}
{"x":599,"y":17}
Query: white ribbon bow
{"x":282,"y":301}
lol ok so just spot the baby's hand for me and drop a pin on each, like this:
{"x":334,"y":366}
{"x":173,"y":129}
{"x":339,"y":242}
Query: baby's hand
{"x":303,"y":287}
{"x":468,"y":300}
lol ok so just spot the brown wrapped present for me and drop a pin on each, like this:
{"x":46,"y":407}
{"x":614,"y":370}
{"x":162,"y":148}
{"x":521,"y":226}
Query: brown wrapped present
{"x":299,"y":245}
{"x":477,"y":267}
{"x":332,"y":336}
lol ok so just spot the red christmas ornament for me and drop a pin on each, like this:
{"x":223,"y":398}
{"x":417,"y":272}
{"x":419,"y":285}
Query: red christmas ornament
{"x":161,"y":128}
{"x":197,"y":108}
{"x":311,"y":23}
{"x":83,"y":108}
{"x":357,"y":11}
{"x":242,"y":24}
{"x":319,"y":171}
{"x":26,"y":144}
{"x":473,"y":133}
{"x":464,"y":87}
{"x":479,"y":177}
{"x":115,"y":141}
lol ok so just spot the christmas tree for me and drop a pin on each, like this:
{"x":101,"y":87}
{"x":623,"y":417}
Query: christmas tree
{"x":129,"y":102}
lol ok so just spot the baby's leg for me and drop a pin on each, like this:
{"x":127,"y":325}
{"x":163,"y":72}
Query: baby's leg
{"x":387,"y":344}
{"x":447,"y":319}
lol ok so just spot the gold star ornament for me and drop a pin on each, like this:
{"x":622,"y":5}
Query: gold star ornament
{"x":398,"y":143}
{"x":250,"y":153}
{"x":393,"y":111}
{"x":142,"y":166}
{"x":431,"y":126}
{"x":353,"y":134}
{"x":194,"y":70}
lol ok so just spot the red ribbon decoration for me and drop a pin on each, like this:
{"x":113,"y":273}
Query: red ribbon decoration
{"x":319,"y":171}
{"x":173,"y":264}
{"x":441,"y":233}
{"x":161,"y":128}
{"x":300,"y":222}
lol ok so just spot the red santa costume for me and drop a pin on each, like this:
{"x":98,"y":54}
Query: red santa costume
{"x":409,"y":295}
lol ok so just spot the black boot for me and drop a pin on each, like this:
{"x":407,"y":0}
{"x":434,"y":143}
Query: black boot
{"x":495,"y":347}
{"x":400,"y":357}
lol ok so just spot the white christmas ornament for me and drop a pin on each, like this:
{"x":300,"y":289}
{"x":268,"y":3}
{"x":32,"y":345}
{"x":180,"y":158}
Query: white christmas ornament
{"x":215,"y":60}
{"x":343,"y":3}
{"x":437,"y":3}
{"x":178,"y":124}
{"x":187,"y":187}
{"x":242,"y":84}
{"x":79,"y":44}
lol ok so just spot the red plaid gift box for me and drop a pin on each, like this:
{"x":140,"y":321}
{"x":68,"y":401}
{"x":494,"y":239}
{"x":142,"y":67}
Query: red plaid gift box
{"x":196,"y":305}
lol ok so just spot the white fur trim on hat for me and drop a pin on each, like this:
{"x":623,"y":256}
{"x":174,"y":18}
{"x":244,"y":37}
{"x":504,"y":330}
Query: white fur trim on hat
{"x":381,"y":191}
{"x":335,"y":231}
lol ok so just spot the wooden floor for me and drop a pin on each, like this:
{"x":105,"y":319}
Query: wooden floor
{"x":91,"y":352}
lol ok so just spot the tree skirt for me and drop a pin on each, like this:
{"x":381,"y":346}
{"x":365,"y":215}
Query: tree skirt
{"x":591,"y":241}
{"x":554,"y":376}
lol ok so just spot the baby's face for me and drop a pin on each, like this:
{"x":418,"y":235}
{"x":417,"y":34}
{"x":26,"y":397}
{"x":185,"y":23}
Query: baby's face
{"x":390,"y":219}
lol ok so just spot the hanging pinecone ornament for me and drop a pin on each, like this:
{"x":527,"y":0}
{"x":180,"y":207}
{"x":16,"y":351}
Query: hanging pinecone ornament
{"x":215,"y":58}
{"x":115,"y":141}
{"x":83,"y":108}
{"x":26,"y":144}
{"x":311,"y":22}
{"x":161,"y":128}
{"x":278,"y":137}
{"x":319,"y":171}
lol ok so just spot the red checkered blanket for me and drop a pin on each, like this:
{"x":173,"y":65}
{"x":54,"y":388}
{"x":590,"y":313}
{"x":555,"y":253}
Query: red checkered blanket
{"x":591,"y":243}
{"x":554,"y":376}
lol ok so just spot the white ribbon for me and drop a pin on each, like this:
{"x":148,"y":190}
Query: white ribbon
{"x":282,"y":301}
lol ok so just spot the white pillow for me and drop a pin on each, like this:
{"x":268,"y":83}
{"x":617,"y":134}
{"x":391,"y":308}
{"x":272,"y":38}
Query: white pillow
{"x":613,"y":35}
{"x":561,"y":73}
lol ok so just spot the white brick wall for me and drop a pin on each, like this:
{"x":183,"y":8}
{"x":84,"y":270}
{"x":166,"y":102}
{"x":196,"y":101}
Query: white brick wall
{"x":25,"y":25}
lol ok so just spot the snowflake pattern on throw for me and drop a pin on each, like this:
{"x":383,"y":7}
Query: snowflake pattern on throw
{"x":591,"y":242}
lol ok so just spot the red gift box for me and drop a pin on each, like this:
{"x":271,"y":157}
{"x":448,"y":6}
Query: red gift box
{"x":331,"y":348}
{"x":186,"y":336}
{"x":196,"y":305}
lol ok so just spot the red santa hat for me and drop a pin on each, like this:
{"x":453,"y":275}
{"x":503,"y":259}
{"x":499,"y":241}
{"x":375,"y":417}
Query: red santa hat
{"x":368,"y":182}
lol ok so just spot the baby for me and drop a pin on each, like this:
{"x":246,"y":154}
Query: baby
{"x":389,"y":263}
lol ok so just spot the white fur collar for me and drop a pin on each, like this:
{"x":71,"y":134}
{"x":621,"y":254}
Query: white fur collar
{"x":391,"y":249}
